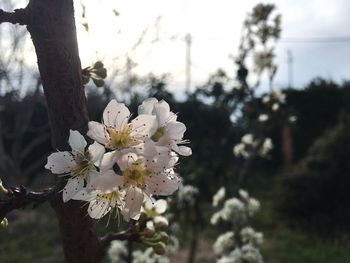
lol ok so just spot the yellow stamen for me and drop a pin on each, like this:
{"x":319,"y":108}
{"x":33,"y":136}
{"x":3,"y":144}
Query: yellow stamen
{"x":135,"y":175}
{"x":120,"y":139}
{"x":83,"y":165}
{"x":158,"y":134}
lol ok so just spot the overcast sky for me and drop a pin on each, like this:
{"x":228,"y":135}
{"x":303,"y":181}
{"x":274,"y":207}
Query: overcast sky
{"x":215,"y":27}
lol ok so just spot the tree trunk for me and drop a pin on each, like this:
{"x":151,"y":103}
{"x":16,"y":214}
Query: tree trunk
{"x":52,"y":28}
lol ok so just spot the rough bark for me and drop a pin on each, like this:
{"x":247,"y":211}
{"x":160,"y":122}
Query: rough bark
{"x":52,"y":28}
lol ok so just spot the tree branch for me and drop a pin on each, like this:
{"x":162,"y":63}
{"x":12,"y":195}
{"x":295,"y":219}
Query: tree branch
{"x":20,"y":197}
{"x":17,"y":17}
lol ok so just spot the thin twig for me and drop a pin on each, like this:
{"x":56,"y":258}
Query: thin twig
{"x":20,"y":197}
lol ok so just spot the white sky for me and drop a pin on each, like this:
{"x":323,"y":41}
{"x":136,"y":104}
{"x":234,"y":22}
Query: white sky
{"x":215,"y":28}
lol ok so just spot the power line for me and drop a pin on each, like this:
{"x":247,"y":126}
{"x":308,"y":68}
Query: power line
{"x":316,"y":39}
{"x":336,"y":39}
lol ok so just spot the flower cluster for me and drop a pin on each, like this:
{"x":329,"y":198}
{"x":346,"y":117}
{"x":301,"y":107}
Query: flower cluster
{"x":249,"y":144}
{"x":274,"y":99}
{"x":152,"y":227}
{"x":187,"y":195}
{"x":143,"y":151}
{"x":118,"y":254}
{"x":241,"y":243}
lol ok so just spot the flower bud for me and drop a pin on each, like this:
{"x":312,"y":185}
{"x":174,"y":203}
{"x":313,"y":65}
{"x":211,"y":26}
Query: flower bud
{"x":163,"y":237}
{"x":159,"y":248}
{"x":2,"y":188}
{"x":4,"y":223}
{"x":161,"y":223}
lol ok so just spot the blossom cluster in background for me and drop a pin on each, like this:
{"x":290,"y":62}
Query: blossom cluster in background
{"x":130,"y":161}
{"x":249,"y":145}
{"x":241,"y":243}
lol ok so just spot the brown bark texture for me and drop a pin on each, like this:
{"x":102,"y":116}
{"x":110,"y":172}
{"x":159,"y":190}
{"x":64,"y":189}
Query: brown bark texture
{"x":52,"y":28}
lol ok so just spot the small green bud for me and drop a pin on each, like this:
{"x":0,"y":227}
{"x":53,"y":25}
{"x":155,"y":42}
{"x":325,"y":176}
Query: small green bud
{"x":163,"y":237}
{"x":149,"y":233}
{"x":101,"y":72}
{"x":159,"y":248}
{"x":98,"y":82}
{"x":2,"y":188}
{"x":98,"y":65}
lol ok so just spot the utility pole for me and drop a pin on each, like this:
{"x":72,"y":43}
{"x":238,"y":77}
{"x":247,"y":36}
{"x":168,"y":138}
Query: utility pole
{"x":290,"y":68}
{"x":188,"y":40}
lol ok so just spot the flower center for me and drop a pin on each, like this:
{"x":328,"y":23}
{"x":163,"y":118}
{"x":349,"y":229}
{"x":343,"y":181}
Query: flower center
{"x":135,"y":175}
{"x":83,"y":165}
{"x":120,"y":139}
{"x":158,"y":134}
{"x":114,"y":198}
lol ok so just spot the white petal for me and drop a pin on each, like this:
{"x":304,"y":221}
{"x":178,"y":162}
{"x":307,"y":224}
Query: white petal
{"x":182,"y":150}
{"x":149,"y":203}
{"x":133,"y":201}
{"x":73,"y":186}
{"x":116,"y":115}
{"x":127,"y":160}
{"x":161,"y":206}
{"x":83,"y":195}
{"x":150,"y":225}
{"x":60,"y":162}
{"x":162,"y":111}
{"x":108,"y":160}
{"x":147,"y":106}
{"x":97,"y":131}
{"x":161,"y":160}
{"x":108,"y":182}
{"x":77,"y":141}
{"x":96,"y":151}
{"x":175,"y":130}
{"x":98,"y":208}
{"x":144,"y":125}
{"x":91,"y":179}
{"x":161,"y":220}
{"x":162,"y":184}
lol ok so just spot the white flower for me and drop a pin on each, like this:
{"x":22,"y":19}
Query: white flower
{"x":169,"y":132}
{"x":233,"y":210}
{"x":263,"y":117}
{"x":106,"y":196}
{"x":278,"y":95}
{"x":243,"y":194}
{"x":266,"y":99}
{"x":153,"y":210}
{"x":141,"y":176}
{"x":78,"y":164}
{"x":117,"y":252}
{"x":293,"y":119}
{"x":251,"y":254}
{"x":240,"y":150}
{"x":116,"y":133}
{"x":234,"y":257}
{"x":187,"y":195}
{"x":148,"y":256}
{"x":219,"y":196}
{"x":275,"y":106}
{"x":266,"y":147}
{"x":248,"y":235}
{"x":253,"y":206}
{"x":248,"y":138}
{"x":224,"y":243}
{"x":215,"y":218}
